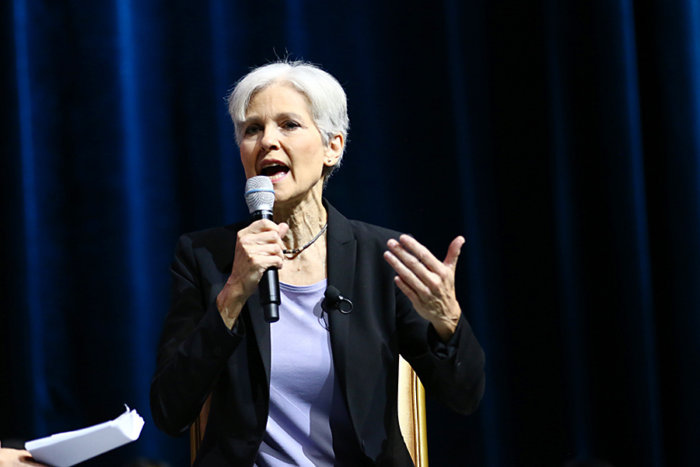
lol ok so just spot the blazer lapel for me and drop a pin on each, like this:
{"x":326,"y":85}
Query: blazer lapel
{"x":341,"y":274}
{"x":261,"y":330}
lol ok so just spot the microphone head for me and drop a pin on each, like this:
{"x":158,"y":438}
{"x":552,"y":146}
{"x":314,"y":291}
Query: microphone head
{"x":259,"y":194}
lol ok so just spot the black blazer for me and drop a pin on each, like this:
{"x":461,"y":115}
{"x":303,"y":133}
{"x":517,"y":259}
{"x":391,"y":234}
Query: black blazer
{"x":198,"y":355}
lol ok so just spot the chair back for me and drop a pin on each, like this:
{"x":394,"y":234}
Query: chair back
{"x":412,"y":418}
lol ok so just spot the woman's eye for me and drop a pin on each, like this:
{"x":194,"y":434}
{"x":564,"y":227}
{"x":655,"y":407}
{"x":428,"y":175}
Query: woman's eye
{"x":252,"y":129}
{"x":290,"y":125}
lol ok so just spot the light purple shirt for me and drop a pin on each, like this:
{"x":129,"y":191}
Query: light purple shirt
{"x":303,"y":388}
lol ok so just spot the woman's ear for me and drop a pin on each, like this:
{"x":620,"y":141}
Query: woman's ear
{"x":334,"y":150}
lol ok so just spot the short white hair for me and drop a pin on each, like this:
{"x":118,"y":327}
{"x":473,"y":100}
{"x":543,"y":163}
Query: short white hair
{"x":327,"y":99}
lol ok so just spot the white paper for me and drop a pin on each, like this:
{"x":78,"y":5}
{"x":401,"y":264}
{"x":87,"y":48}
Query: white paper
{"x":72,"y":447}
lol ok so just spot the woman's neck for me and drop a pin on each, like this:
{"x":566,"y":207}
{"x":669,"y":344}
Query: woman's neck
{"x":305,"y":218}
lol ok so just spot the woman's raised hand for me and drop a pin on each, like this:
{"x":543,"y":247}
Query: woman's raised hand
{"x":428,"y":282}
{"x":258,"y":247}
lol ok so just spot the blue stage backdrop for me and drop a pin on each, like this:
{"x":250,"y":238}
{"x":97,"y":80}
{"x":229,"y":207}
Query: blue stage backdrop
{"x":560,"y":137}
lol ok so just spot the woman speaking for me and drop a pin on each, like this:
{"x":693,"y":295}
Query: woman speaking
{"x":317,"y":387}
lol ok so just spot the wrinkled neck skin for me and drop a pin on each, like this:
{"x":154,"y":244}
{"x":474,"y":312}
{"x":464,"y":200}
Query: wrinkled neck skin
{"x":305,"y":217}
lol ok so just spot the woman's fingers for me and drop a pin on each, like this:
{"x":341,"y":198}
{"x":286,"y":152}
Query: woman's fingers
{"x":418,"y":267}
{"x":421,"y":261}
{"x":263,"y":231}
{"x":405,"y":266}
{"x":420,"y":252}
{"x":16,"y":457}
{"x":282,"y":229}
{"x":259,"y":247}
{"x":408,"y":291}
{"x":258,"y":256}
{"x":426,"y":281}
{"x":453,"y":252}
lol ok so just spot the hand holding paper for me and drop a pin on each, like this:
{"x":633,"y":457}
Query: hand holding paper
{"x":72,"y":447}
{"x":16,"y":458}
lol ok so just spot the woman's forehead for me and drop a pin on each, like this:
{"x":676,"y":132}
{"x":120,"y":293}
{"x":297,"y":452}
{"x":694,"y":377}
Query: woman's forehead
{"x":279,"y":94}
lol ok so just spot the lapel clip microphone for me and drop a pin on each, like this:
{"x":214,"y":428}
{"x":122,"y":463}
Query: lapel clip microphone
{"x":334,"y":301}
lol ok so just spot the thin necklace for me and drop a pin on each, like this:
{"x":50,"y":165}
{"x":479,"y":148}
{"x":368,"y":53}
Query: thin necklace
{"x":291,"y":254}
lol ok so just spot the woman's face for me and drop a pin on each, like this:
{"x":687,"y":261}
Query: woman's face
{"x":281,"y":141}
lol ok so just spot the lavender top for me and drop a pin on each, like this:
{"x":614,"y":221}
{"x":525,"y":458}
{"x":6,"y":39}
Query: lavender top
{"x":307,"y":411}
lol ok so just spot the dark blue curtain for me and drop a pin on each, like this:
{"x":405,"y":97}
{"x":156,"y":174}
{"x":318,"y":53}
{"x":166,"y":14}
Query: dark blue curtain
{"x":562,"y":138}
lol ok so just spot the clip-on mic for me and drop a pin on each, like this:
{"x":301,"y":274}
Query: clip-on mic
{"x":335,"y":301}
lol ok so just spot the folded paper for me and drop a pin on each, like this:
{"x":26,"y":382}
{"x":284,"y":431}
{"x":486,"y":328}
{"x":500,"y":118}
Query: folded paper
{"x":72,"y":447}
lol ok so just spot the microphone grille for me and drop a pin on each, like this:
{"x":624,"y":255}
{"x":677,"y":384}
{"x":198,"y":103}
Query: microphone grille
{"x":259,"y":194}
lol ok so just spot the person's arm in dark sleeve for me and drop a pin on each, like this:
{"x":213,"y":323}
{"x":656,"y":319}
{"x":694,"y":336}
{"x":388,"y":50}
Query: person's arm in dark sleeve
{"x":194,"y":348}
{"x":451,"y":371}
{"x":435,"y":337}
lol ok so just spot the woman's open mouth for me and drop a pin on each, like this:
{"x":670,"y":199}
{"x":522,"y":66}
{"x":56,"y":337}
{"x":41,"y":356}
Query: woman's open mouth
{"x":276,"y":172}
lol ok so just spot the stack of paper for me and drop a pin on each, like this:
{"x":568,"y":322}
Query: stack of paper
{"x":72,"y":447}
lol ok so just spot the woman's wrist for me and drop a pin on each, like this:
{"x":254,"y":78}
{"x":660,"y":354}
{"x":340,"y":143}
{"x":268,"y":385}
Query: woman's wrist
{"x":229,"y":302}
{"x":446,"y":325}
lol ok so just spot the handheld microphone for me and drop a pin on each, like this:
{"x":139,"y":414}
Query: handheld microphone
{"x":335,"y":301}
{"x":260,"y":197}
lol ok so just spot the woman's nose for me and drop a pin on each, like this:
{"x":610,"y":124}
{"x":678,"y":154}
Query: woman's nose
{"x":270,"y":139}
